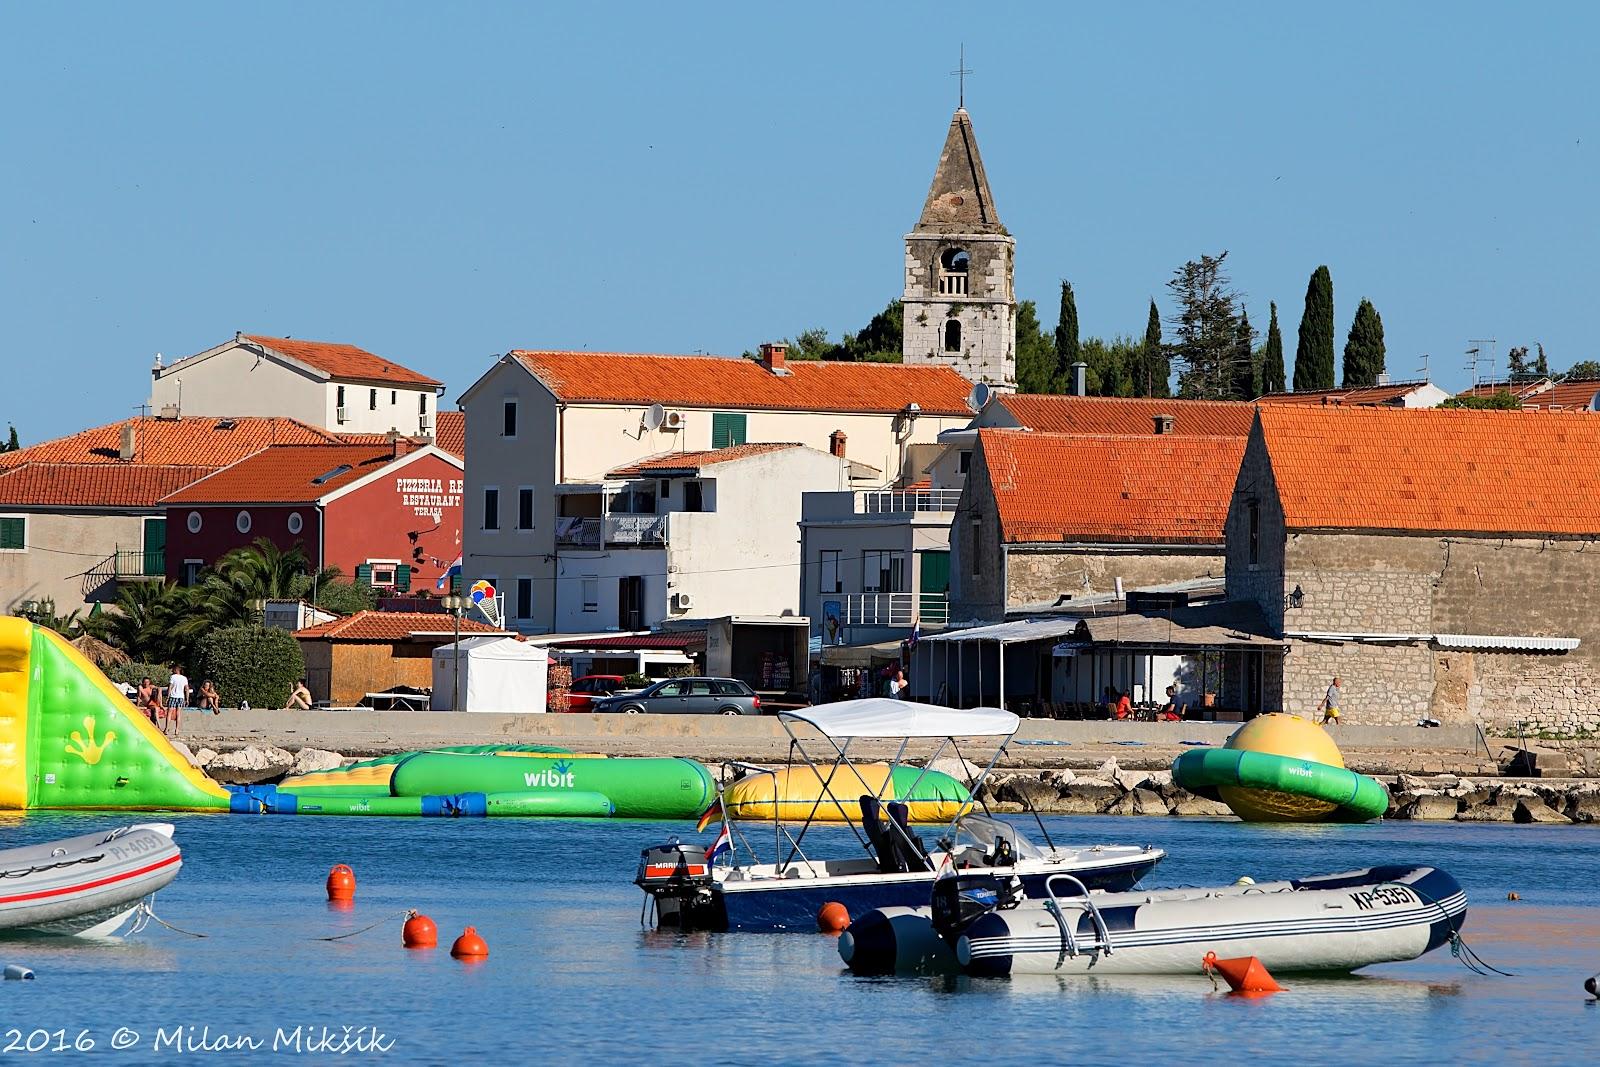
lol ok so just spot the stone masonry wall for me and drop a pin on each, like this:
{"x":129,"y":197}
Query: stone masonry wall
{"x":987,"y":311}
{"x":1041,"y":573}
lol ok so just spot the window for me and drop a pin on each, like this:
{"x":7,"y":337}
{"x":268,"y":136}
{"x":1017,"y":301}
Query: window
{"x":952,"y":335}
{"x":729,"y":687}
{"x":422,"y":403}
{"x":829,"y":581}
{"x":491,"y":509}
{"x":665,"y":491}
{"x":693,"y":496}
{"x":525,"y":508}
{"x":954,"y":265}
{"x":508,"y":427}
{"x":14,"y":533}
{"x":394,"y":397}
{"x":591,"y":593}
{"x":524,"y":598}
{"x":635,"y":498}
{"x":191,"y":570}
{"x":372,"y":400}
{"x":670,"y":689}
{"x":700,"y":687}
{"x":241,"y":522}
{"x":296,"y":523}
{"x":194,"y":522}
{"x":964,"y":461}
{"x":155,"y":548}
{"x":977,"y":548}
{"x":382,"y":574}
{"x":883,"y":572}
{"x":339,"y":397}
{"x":1255,"y":532}
{"x":727,"y":428}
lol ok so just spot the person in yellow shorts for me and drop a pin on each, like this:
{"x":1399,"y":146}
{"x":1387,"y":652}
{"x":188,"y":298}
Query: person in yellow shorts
{"x":1330,"y":704}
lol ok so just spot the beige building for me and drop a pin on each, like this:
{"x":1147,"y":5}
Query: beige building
{"x":539,"y":423}
{"x":335,"y":386}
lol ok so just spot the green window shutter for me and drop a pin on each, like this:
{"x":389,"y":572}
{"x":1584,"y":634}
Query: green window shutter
{"x":455,"y":583}
{"x":402,"y":578}
{"x":364,"y":573}
{"x":13,"y":533}
{"x":727,"y":428}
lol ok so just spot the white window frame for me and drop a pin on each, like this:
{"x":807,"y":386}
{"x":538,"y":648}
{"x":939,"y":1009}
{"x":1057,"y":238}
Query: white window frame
{"x":873,"y":578}
{"x":191,"y":577}
{"x":483,"y":501}
{"x":25,"y":524}
{"x":589,"y":583}
{"x":394,"y":569}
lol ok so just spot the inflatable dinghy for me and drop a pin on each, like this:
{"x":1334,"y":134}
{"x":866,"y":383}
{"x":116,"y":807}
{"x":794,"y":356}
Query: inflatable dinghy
{"x":85,"y":885}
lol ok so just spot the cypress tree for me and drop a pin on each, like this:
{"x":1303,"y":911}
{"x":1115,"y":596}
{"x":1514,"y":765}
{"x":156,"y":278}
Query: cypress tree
{"x":1068,"y":351}
{"x":1313,"y":355}
{"x":1242,"y":366}
{"x":1363,"y":349}
{"x":1154,"y":370}
{"x":11,"y":444}
{"x":1541,"y":367}
{"x":1036,"y":357}
{"x":1272,"y":375}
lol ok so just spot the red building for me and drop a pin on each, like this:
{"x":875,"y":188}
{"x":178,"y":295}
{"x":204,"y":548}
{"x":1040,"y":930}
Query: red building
{"x":389,"y":514}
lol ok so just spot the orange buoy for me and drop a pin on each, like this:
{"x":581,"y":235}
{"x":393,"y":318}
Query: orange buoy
{"x":1246,"y":974}
{"x":341,"y":883}
{"x":833,"y":918}
{"x":419,"y":931}
{"x":469,"y":945}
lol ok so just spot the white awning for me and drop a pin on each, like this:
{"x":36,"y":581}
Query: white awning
{"x":1509,"y":643}
{"x":1009,"y":633}
{"x":888,"y":717}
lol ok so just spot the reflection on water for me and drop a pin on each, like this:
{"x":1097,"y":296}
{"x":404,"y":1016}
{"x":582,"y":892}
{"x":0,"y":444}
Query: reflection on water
{"x":572,"y":977}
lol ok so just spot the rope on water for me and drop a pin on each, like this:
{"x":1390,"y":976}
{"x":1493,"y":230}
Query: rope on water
{"x":147,"y":914}
{"x":1458,"y":944}
{"x":364,"y":929}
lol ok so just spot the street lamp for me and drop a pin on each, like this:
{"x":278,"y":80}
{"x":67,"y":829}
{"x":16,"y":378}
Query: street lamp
{"x":455,"y":605}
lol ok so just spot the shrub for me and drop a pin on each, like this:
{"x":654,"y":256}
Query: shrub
{"x":134,"y":673}
{"x":249,"y":663}
{"x":682,"y":670}
{"x":634,"y":681}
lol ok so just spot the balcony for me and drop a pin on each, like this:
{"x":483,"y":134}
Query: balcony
{"x":905,"y":501}
{"x":648,"y":530}
{"x":953,"y":284}
{"x":124,"y":565}
{"x":896,"y":609}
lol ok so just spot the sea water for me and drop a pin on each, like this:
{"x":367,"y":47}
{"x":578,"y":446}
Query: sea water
{"x":572,"y":976}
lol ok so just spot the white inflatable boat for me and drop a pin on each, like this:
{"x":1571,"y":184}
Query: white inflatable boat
{"x":1338,"y":922}
{"x":86,"y":885}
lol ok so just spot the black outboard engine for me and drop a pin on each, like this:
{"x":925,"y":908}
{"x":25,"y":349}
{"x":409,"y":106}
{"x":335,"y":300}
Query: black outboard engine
{"x":958,"y":900}
{"x":678,"y":878}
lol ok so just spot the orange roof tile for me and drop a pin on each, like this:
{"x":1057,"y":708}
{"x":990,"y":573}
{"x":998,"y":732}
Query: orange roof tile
{"x":717,"y":382}
{"x":287,"y":474}
{"x":342,"y":361}
{"x":391,"y":626}
{"x":1437,"y":471}
{"x":450,"y":433}
{"x":1167,"y":489}
{"x":1573,"y":394}
{"x":693,"y":461}
{"x":193,"y":440}
{"x":1127,"y":415}
{"x":1362,"y":396}
{"x":92,"y":485}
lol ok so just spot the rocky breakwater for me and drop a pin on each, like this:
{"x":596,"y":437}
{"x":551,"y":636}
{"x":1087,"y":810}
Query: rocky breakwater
{"x":1106,"y":790}
{"x":1446,"y":798}
{"x":255,"y":764}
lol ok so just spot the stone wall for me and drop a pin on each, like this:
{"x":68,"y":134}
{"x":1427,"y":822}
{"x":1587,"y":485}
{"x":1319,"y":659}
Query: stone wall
{"x":1259,"y":579}
{"x":987,"y":311}
{"x":1039,"y":573}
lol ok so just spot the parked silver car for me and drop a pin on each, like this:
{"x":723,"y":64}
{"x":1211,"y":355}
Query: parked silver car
{"x":685,"y":696}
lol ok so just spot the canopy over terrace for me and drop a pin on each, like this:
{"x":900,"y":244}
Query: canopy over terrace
{"x":1073,"y":657}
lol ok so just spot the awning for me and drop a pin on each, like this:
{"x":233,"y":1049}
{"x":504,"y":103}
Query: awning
{"x":1013,"y":632}
{"x":678,"y":640}
{"x":860,"y":655}
{"x":888,"y":717}
{"x":1227,"y":626}
{"x":1494,"y":642}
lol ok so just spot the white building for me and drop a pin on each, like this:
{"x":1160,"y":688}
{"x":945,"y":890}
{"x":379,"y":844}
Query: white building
{"x":335,"y":386}
{"x":545,"y":428}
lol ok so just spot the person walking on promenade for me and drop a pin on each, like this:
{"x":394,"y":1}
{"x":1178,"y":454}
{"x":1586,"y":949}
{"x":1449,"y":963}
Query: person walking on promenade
{"x":1330,"y":704}
{"x":177,"y":698}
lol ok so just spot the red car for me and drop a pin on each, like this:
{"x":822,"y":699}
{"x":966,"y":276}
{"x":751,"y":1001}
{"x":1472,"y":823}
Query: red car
{"x":585,"y":690}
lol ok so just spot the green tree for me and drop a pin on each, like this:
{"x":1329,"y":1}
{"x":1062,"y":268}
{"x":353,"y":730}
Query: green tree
{"x":1585,"y":369}
{"x":1501,"y":400}
{"x":148,"y":620}
{"x":1272,"y":372}
{"x":1517,"y":362}
{"x":879,"y":341}
{"x":810,"y":344}
{"x":1363,"y":348}
{"x":1036,"y":354}
{"x":250,"y":663}
{"x":1313,"y":355}
{"x":1541,"y":366}
{"x":1205,"y":328}
{"x":1068,"y":351}
{"x":10,"y":444}
{"x":340,"y":597}
{"x":1153,"y":374}
{"x":1242,"y":370}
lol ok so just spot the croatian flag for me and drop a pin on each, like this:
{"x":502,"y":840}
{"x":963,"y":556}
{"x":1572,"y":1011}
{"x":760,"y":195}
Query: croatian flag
{"x":710,"y":815}
{"x":444,"y":579}
{"x":723,"y":843}
{"x":916,"y":635}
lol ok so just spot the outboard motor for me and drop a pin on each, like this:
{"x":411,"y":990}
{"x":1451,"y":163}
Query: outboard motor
{"x":678,"y":878}
{"x":957,"y":901}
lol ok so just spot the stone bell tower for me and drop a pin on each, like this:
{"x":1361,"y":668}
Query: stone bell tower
{"x":960,"y":305}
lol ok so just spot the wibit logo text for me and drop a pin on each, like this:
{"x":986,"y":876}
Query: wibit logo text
{"x":558,"y":776}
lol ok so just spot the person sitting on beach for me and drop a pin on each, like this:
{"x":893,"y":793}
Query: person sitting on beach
{"x":146,"y":693}
{"x":209,"y":698}
{"x":300,"y":698}
{"x":1124,"y":705}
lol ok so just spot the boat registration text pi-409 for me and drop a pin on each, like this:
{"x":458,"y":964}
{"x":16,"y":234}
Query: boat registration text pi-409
{"x":1387,"y":897}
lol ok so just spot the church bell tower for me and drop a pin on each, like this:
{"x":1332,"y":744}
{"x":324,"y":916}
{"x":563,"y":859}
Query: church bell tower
{"x":960,"y":305}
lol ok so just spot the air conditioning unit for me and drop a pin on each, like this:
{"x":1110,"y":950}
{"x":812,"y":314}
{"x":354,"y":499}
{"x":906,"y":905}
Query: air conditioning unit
{"x":342,"y":415}
{"x":673,"y":422}
{"x":682,"y":601}
{"x":422,"y":424}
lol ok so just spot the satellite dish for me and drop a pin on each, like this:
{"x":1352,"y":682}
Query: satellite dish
{"x":978,"y":397}
{"x":654,"y":416}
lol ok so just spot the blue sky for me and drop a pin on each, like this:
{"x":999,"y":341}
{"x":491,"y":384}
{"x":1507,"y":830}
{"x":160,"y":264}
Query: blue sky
{"x":441,"y":183}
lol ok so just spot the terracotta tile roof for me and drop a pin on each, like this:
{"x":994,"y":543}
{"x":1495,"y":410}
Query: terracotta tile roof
{"x":1167,"y":489}
{"x":450,"y":433}
{"x":681,"y":640}
{"x":92,"y":485}
{"x":1127,"y":415}
{"x":1364,"y":396}
{"x":1521,"y":389}
{"x":1573,"y":394}
{"x":1442,"y":470}
{"x":287,"y":474}
{"x":190,"y":441}
{"x":693,"y":461}
{"x":392,"y":626}
{"x":716,"y":382}
{"x":343,"y":361}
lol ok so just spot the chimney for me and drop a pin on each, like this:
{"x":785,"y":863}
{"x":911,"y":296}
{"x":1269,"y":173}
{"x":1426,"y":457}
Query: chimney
{"x":399,"y":444}
{"x":1080,"y":386}
{"x":772,"y":355}
{"x":1164,"y":423}
{"x":836,"y":441}
{"x":126,"y":450}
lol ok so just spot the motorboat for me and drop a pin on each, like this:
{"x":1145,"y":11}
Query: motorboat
{"x":691,"y":889}
{"x":1328,"y":923}
{"x":87,"y":885}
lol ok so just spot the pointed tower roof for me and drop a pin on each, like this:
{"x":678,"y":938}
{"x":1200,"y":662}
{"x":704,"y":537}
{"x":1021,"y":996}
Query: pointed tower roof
{"x":959,"y":199}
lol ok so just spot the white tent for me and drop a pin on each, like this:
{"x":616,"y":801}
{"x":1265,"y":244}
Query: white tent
{"x":497,"y":674}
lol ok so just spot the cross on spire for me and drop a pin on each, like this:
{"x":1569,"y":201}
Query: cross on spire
{"x":961,"y":73}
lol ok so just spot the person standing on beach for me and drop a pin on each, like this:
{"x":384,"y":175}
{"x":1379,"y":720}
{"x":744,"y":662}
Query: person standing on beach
{"x":177,"y":697}
{"x":1330,"y":704}
{"x":150,"y":701}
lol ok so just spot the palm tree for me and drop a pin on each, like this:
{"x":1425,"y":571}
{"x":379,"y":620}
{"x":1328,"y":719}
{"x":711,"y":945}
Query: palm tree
{"x":146,"y":619}
{"x":230,"y":592}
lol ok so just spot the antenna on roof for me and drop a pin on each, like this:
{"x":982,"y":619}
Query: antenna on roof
{"x":1475,"y":342}
{"x":978,"y":397}
{"x":1425,"y":376}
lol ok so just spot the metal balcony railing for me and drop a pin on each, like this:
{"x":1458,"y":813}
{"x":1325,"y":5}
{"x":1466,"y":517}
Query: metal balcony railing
{"x":616,"y":530}
{"x":896,"y":609}
{"x":905,"y":501}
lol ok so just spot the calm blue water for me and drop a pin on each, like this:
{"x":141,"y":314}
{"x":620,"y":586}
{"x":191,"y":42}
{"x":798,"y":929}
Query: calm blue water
{"x":573,"y":979}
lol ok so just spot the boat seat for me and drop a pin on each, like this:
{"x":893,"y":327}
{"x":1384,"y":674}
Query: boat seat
{"x":915,"y":855}
{"x":882,"y":847}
